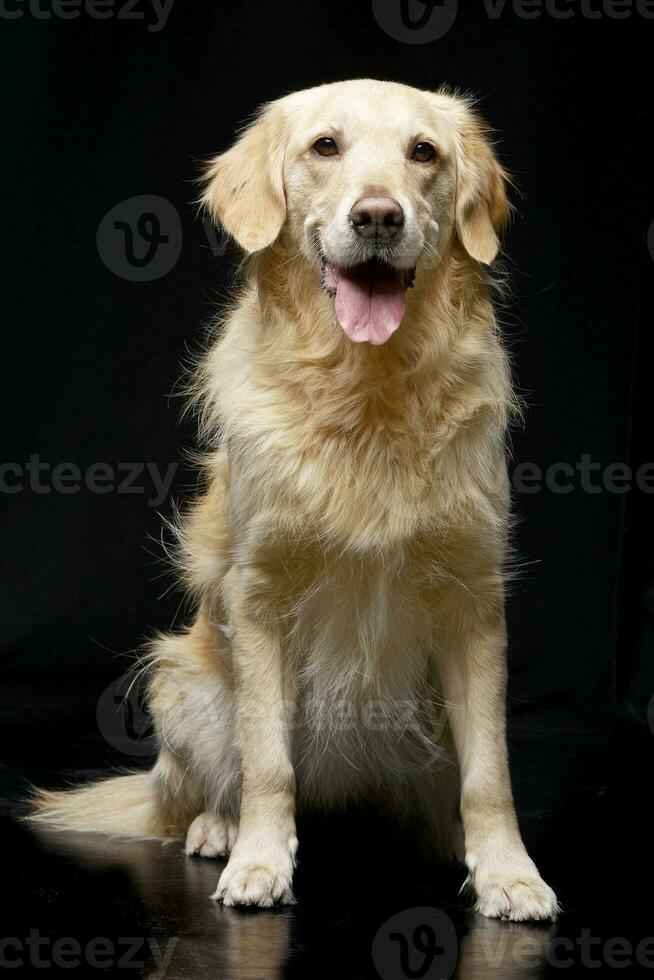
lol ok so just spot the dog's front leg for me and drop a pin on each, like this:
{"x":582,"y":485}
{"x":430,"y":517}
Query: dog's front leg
{"x":472,"y":668}
{"x":260,"y":868}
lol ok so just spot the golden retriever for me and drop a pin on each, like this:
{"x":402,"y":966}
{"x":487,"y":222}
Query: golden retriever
{"x":346,"y":557}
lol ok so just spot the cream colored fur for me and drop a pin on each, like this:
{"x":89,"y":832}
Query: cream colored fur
{"x":346,"y":557}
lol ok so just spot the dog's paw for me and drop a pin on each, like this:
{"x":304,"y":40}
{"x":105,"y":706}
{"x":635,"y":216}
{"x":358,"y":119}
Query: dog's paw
{"x":211,"y":836}
{"x":257,"y":877}
{"x":508,"y":886}
{"x":525,"y":899}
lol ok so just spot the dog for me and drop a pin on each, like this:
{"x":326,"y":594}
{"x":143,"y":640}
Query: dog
{"x":346,"y":557}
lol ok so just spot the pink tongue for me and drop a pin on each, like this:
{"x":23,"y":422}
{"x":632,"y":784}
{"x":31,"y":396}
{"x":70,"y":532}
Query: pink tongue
{"x":369,"y":311}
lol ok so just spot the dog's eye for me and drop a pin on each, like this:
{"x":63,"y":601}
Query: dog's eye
{"x":326,"y":147}
{"x":423,"y":152}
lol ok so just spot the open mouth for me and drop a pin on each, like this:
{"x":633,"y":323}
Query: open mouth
{"x":370,"y":298}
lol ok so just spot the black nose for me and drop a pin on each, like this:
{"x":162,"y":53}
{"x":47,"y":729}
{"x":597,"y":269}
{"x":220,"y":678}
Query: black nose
{"x":377,"y":217}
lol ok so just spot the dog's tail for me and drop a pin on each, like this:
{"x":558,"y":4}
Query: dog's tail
{"x":139,"y":804}
{"x":122,"y":806}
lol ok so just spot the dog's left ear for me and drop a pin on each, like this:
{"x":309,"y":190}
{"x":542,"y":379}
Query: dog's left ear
{"x":244,"y":187}
{"x":482,"y":206}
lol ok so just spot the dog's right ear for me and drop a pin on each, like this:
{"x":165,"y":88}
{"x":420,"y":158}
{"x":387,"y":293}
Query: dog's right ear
{"x":244,"y":187}
{"x":482,"y":207}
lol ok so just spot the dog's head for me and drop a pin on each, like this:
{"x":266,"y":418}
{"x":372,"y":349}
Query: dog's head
{"x":371,"y":181}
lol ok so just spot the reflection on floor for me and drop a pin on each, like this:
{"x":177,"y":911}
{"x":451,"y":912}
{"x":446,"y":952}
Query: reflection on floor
{"x":366,"y":907}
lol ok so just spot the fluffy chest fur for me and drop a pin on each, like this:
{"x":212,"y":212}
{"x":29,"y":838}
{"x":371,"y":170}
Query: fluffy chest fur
{"x":362,"y":448}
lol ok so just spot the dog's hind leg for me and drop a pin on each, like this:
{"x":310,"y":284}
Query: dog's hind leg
{"x":197,"y":768}
{"x":192,"y":705}
{"x":211,"y":835}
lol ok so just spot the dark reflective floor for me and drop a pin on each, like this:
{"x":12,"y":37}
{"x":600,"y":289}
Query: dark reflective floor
{"x":366,"y":906}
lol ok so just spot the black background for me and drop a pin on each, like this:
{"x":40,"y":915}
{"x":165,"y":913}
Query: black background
{"x":98,"y":111}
